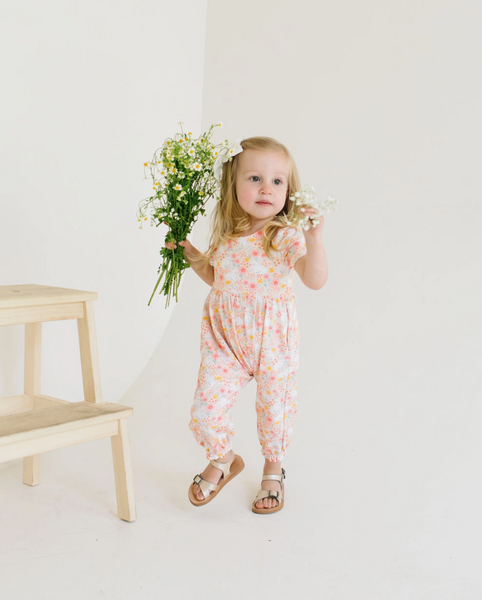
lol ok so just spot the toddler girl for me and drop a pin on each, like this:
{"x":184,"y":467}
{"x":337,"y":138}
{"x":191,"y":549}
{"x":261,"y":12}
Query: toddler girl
{"x":249,"y":324}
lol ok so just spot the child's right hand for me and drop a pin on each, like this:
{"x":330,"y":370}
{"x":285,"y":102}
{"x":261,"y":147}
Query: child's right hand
{"x":189,"y":250}
{"x":189,"y":253}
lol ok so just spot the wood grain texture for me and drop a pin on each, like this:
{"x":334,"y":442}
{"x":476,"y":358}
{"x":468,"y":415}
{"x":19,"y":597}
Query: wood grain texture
{"x":89,"y":355}
{"x":32,"y":447}
{"x":47,"y":421}
{"x":15,"y":404}
{"x":16,"y":296}
{"x":124,"y":483}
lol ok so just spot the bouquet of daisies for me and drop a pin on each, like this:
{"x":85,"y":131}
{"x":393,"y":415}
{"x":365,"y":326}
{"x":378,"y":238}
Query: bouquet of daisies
{"x":182,"y":172}
{"x":306,"y":198}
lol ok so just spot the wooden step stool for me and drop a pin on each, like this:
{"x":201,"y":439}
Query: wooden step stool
{"x":33,"y":423}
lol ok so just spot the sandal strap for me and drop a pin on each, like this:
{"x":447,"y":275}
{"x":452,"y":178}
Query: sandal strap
{"x":269,"y":494}
{"x":205,"y":486}
{"x":224,"y":467}
{"x":275,"y":477}
{"x":272,"y":493}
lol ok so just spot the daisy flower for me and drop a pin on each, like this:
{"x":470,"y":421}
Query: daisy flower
{"x":178,"y":183}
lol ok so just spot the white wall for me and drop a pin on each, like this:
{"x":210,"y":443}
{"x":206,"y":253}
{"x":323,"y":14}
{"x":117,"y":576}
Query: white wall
{"x":380,"y":104}
{"x":89,"y":91}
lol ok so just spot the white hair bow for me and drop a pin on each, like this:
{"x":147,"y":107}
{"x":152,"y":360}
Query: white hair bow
{"x":225,"y":154}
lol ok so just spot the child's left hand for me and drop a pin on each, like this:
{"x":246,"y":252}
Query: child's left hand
{"x":313,"y":232}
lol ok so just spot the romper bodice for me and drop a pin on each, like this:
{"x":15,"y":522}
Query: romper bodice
{"x":241,"y":265}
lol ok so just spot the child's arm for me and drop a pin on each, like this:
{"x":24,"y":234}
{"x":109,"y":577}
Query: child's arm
{"x":189,"y":252}
{"x":313,"y":266}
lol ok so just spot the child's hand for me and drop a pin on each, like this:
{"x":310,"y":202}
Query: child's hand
{"x":313,"y":232}
{"x":189,"y":250}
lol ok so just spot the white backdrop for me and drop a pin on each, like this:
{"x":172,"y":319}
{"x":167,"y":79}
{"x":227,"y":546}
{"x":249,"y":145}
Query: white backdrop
{"x":89,"y":91}
{"x":379,"y":103}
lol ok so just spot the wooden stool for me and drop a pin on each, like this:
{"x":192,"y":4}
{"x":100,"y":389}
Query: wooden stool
{"x":33,"y":423}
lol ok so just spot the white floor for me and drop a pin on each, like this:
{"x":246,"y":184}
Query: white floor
{"x":355,"y":525}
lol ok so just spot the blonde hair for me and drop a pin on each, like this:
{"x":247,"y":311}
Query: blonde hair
{"x":229,"y":220}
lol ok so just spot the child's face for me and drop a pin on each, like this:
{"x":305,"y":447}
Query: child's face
{"x":262,"y":184}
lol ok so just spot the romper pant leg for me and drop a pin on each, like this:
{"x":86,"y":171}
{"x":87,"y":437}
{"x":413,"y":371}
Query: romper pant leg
{"x":222,"y":374}
{"x":276,"y":397}
{"x":276,"y":408}
{"x":218,"y":387}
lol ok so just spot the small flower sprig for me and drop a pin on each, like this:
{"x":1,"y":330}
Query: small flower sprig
{"x":183,"y":181}
{"x":306,"y":198}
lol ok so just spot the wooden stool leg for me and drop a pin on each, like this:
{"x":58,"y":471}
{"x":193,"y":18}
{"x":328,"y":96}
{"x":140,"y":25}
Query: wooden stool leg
{"x":31,"y":470}
{"x":124,"y":484}
{"x":32,"y":381}
{"x":89,"y":355}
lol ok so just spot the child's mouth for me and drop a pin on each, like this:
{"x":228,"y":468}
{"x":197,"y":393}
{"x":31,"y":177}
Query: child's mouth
{"x":264,"y":203}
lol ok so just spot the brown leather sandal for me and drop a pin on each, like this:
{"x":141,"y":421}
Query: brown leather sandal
{"x":271,"y":494}
{"x":210,"y":490}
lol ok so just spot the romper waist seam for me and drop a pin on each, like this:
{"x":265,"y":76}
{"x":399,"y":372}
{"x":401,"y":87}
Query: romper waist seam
{"x":223,"y":290}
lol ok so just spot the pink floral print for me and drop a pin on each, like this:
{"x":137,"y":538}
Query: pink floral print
{"x":249,"y":329}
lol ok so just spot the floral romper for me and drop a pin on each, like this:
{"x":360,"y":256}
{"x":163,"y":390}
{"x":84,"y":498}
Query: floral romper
{"x":249,"y":329}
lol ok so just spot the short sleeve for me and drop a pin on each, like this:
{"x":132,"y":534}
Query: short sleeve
{"x":296,"y":247}
{"x":212,"y":258}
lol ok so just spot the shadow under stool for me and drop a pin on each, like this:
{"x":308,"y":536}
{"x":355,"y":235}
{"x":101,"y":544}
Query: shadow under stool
{"x":33,"y":423}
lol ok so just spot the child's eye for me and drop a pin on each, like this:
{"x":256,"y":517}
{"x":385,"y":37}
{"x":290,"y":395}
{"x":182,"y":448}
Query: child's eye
{"x":255,"y":178}
{"x":278,"y":181}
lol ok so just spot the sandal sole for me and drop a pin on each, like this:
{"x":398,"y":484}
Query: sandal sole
{"x":267,"y":511}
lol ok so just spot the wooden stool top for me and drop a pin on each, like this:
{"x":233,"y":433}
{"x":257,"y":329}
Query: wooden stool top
{"x":65,"y":417}
{"x":15,"y":296}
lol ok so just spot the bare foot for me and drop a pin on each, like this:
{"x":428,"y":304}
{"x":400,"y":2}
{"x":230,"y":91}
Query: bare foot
{"x":211,"y":474}
{"x":270,"y":468}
